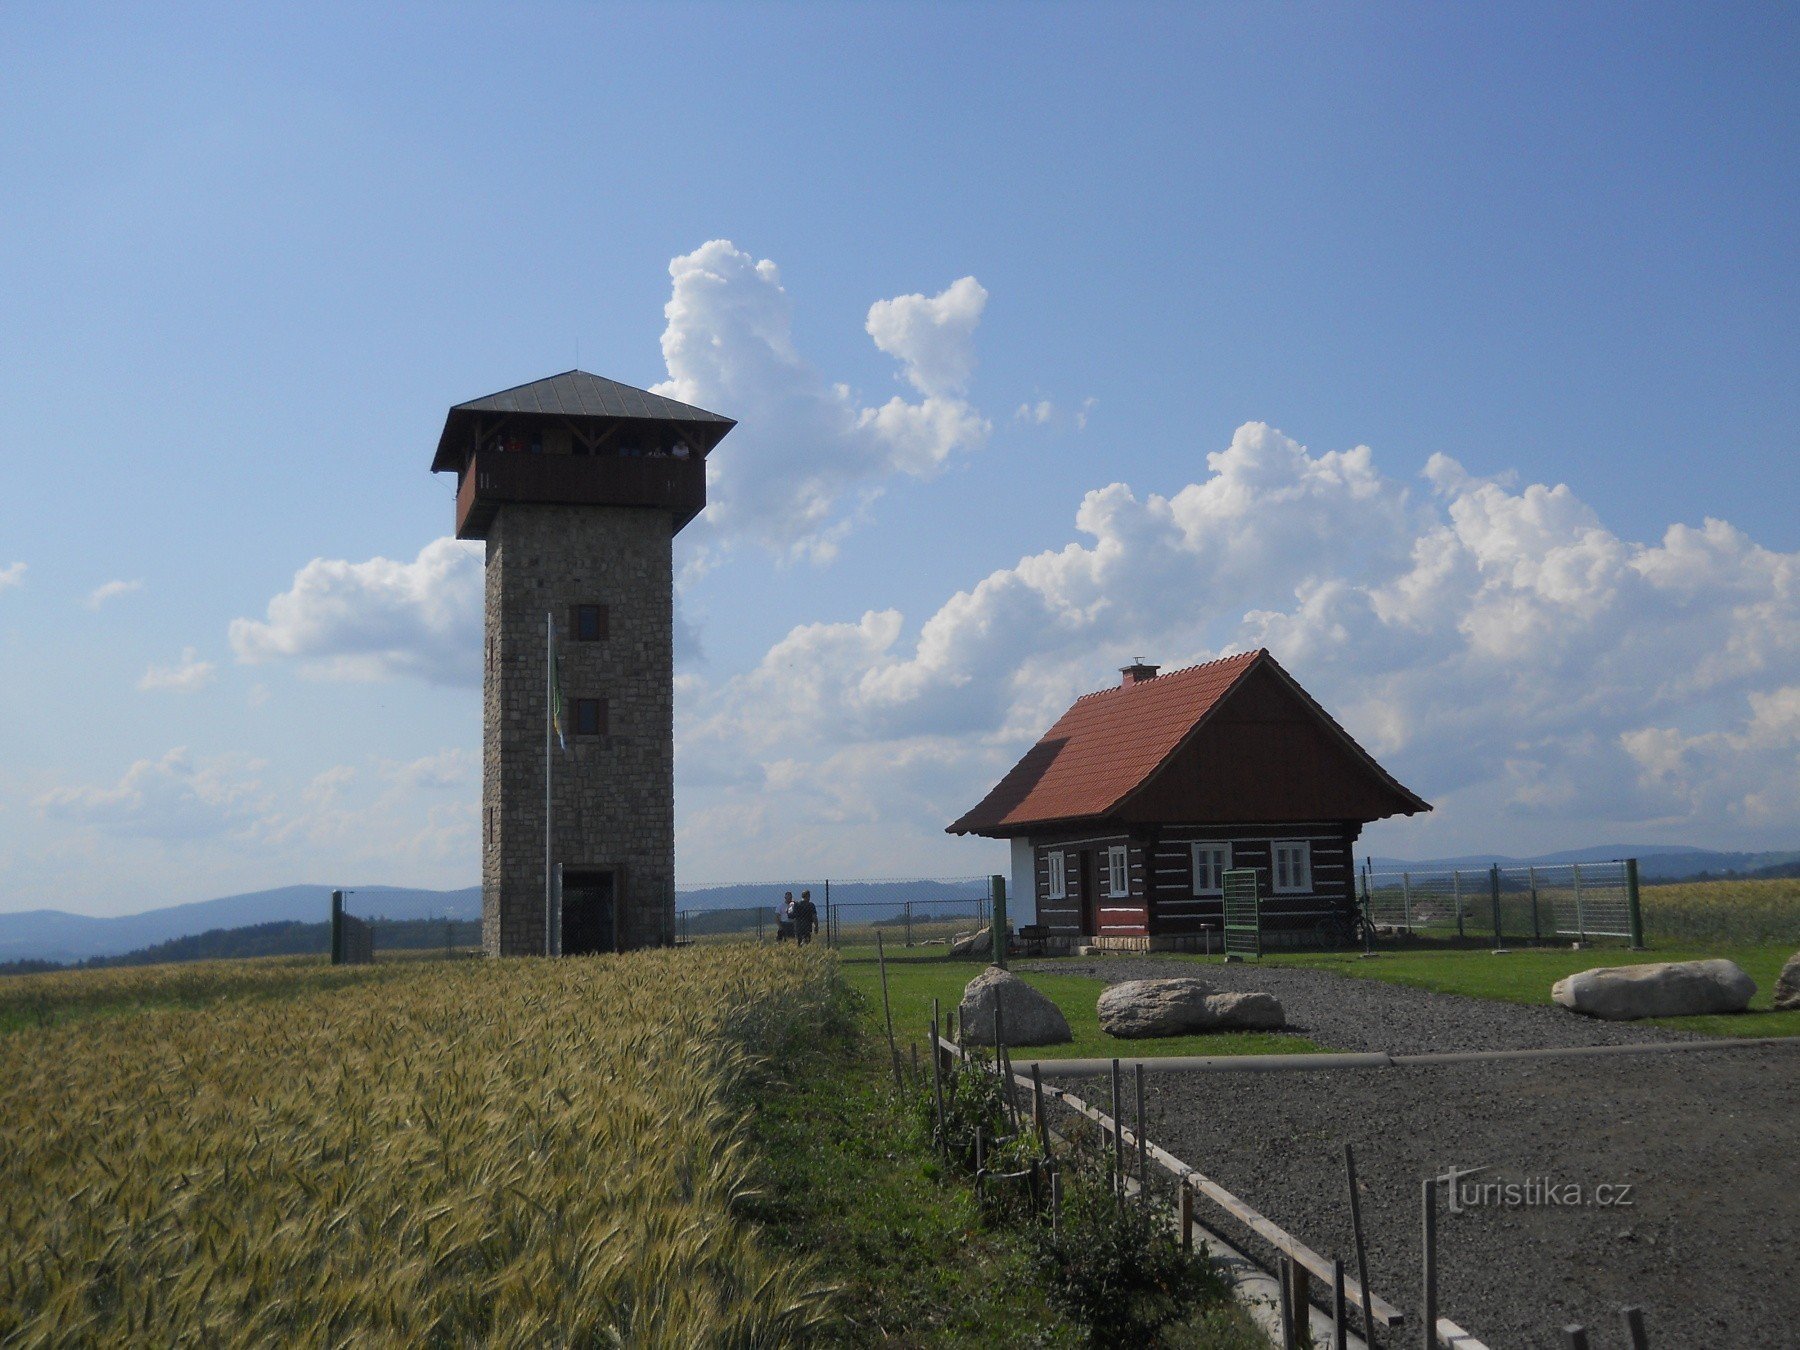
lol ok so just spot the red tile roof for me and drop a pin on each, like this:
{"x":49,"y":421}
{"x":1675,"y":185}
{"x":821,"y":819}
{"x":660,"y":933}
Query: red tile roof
{"x":1112,"y":742}
{"x":1105,"y":746}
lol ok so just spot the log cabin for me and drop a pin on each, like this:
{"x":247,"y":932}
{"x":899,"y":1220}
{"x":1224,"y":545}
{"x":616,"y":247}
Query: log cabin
{"x":1126,"y":815}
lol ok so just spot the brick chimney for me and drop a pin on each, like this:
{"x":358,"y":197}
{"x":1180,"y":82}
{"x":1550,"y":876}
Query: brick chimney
{"x":1137,"y":672}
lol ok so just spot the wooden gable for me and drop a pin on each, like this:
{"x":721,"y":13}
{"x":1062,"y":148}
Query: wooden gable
{"x":1267,"y":753}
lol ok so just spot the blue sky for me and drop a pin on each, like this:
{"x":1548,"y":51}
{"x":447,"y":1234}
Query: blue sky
{"x":1396,"y":338}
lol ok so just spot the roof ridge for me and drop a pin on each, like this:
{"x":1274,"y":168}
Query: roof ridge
{"x":1170,"y":674}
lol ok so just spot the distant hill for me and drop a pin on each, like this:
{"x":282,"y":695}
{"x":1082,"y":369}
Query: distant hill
{"x":1656,"y":862}
{"x":54,"y":935}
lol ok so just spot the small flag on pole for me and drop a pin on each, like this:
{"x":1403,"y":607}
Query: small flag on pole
{"x":558,"y":715}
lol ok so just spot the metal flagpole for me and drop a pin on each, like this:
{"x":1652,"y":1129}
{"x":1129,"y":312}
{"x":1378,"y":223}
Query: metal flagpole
{"x":549,"y":719}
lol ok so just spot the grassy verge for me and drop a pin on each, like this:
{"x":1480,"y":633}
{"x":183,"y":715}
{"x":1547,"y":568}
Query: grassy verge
{"x":1525,"y":976}
{"x":847,"y":1178}
{"x":841,"y":1179}
{"x":913,"y":982}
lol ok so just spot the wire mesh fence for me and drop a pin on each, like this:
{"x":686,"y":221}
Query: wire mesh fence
{"x":907,"y":912}
{"x":1536,"y":904}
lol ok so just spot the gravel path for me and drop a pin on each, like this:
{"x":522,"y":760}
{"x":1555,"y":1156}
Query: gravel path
{"x":1349,"y":1013}
{"x":1707,"y":1142}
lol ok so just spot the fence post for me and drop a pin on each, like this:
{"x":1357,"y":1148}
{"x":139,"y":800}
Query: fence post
{"x":997,"y":884}
{"x":1429,"y":1235}
{"x":909,"y":923}
{"x":833,"y":920}
{"x":1537,"y":928}
{"x":337,"y":928}
{"x":1494,"y":892}
{"x":1456,"y":892}
{"x":1635,"y":915}
{"x":1406,"y":900}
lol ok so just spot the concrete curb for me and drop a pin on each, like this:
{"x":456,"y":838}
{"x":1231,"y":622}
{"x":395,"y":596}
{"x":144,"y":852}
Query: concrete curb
{"x":1378,"y":1059}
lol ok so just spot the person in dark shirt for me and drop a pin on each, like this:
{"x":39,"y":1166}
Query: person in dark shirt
{"x":806,"y":918}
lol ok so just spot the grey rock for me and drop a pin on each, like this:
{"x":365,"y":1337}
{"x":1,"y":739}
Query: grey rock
{"x":1657,"y":989}
{"x":1030,"y":1018}
{"x":1252,"y":1010}
{"x":1139,"y":1009}
{"x":977,"y":944}
{"x":1787,"y":985}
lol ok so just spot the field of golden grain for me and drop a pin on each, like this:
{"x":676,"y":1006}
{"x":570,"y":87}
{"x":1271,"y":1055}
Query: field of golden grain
{"x":1724,"y":911}
{"x":526,"y":1152}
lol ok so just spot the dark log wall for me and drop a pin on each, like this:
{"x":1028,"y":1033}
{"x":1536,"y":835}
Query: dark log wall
{"x":1162,"y":900}
{"x":1175,"y":909}
{"x":1112,"y":916}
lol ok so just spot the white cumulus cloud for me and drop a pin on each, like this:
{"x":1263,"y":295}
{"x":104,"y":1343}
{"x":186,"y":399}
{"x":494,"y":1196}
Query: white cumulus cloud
{"x":177,"y":797}
{"x":377,"y":619}
{"x":1505,"y":653}
{"x":110,"y":590}
{"x":184,"y":677}
{"x":808,"y":453}
{"x":11,"y":576}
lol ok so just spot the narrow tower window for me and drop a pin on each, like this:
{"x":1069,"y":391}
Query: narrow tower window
{"x":590,"y":717}
{"x":588,"y":623}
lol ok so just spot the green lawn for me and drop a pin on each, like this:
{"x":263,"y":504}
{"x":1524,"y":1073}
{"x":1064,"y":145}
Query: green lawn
{"x":1524,"y":975}
{"x":913,"y":981}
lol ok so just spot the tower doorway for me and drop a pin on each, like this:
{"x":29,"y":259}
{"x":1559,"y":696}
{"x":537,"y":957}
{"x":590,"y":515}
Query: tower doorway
{"x":587,"y":913}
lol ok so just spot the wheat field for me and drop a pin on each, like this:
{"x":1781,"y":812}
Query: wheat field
{"x":522,"y":1152}
{"x":1739,"y":911}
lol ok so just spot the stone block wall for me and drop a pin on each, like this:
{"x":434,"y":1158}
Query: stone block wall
{"x":613,"y":796}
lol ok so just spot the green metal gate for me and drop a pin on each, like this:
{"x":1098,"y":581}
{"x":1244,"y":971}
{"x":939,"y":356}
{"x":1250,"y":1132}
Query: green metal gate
{"x":1243,"y":913}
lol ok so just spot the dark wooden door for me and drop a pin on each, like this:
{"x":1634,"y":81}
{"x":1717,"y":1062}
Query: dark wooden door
{"x":587,"y":913}
{"x":1088,"y":893}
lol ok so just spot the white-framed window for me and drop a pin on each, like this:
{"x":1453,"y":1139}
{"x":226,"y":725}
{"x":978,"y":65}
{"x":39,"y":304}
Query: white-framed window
{"x":1211,"y":862}
{"x":1118,"y":873}
{"x":1056,"y":877}
{"x":1291,"y":861}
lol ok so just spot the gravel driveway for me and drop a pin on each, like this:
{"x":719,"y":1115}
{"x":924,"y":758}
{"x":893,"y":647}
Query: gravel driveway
{"x":1708,"y":1142}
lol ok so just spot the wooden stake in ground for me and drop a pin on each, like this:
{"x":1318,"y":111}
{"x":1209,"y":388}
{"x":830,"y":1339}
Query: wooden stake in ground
{"x":1428,"y":1234}
{"x":1037,"y":1109}
{"x":937,"y":1072}
{"x":1362,"y":1252}
{"x":887,"y":1009}
{"x":1185,"y":1215}
{"x":1143,"y":1149}
{"x":1634,"y":1326}
{"x":1118,"y":1136}
{"x":1340,"y":1334}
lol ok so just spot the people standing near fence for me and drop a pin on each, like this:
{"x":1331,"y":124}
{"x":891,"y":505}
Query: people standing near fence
{"x":806,"y":918}
{"x":784,"y":917}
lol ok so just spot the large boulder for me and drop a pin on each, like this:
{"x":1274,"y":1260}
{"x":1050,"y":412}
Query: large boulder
{"x":1029,"y":1017}
{"x":1787,"y":986}
{"x":1138,"y":1009}
{"x":979,"y":944}
{"x":1659,"y":989}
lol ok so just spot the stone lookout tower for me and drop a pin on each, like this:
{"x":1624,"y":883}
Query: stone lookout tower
{"x":578,"y":484}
